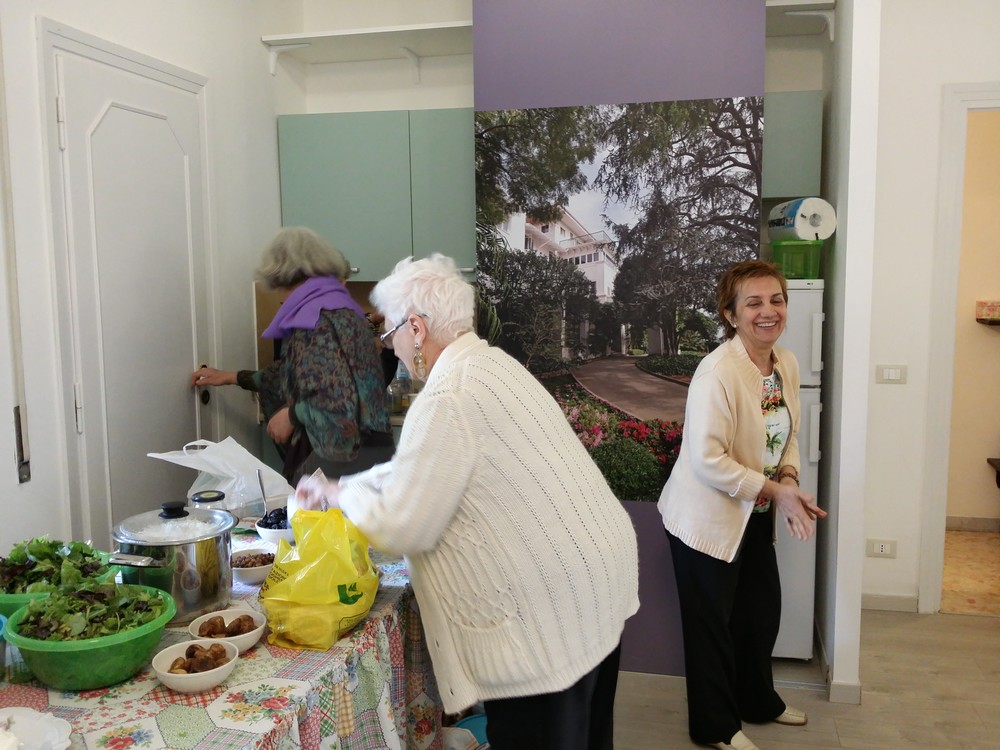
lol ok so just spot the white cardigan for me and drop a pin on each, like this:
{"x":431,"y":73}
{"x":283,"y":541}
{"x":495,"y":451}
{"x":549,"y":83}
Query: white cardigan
{"x":523,"y":562}
{"x":710,"y":494}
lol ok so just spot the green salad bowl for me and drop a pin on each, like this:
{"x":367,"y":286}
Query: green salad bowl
{"x":91,"y":663}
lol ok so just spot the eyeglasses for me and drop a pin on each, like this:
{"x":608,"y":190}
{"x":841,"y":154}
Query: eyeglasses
{"x":386,"y":338}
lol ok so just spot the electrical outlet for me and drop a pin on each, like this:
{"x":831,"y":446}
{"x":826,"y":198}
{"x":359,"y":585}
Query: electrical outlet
{"x":881,"y":548}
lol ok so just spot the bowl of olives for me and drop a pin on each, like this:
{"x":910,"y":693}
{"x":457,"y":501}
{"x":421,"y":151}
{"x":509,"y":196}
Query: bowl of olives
{"x":274,"y":526}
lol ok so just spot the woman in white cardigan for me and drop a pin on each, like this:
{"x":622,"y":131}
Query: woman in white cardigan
{"x":737,"y":470}
{"x":523,"y":562}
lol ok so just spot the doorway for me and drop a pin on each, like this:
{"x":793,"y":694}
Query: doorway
{"x":127,"y":180}
{"x":951,"y":436}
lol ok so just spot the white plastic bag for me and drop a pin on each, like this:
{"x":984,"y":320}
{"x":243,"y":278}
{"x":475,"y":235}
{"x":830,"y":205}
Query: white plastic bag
{"x":229,"y":467}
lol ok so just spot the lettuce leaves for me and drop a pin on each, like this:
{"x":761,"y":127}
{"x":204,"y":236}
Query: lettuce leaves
{"x":92,"y":611}
{"x":43,"y":565}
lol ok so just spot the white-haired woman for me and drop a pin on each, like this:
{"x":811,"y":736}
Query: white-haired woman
{"x":324,"y":396}
{"x":523,"y":562}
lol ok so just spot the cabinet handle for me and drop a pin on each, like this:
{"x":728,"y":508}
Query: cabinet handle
{"x":467,"y":270}
{"x":355,"y":269}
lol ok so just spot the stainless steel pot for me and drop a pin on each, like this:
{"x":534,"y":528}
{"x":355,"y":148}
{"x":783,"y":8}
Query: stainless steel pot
{"x":184,"y":551}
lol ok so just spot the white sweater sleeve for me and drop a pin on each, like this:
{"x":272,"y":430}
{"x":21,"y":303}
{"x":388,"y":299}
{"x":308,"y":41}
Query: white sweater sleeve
{"x":405,"y":505}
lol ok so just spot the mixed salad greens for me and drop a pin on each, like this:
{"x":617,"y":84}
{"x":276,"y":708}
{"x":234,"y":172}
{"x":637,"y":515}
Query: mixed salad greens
{"x":94,"y":610}
{"x":44,"y":565}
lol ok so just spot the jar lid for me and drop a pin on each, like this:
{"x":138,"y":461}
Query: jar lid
{"x":174,"y":523}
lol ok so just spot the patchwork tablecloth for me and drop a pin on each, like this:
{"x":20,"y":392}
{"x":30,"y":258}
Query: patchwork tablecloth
{"x":373,"y":689}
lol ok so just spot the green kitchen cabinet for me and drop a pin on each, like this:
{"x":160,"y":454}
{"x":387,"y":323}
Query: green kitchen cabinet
{"x":793,"y":144}
{"x":443,"y":183}
{"x":381,"y":186}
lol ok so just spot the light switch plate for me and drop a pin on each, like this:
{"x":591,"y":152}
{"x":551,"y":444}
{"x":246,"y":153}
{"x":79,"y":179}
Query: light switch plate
{"x":890,"y":374}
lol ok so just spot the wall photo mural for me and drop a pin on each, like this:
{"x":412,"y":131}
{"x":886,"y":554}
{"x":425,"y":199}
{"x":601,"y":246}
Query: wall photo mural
{"x":604,"y":225}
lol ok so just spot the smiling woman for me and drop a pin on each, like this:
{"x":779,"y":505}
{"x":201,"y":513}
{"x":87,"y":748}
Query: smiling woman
{"x":738,"y":465}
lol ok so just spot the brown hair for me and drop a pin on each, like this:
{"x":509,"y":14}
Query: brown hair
{"x":729,"y":286}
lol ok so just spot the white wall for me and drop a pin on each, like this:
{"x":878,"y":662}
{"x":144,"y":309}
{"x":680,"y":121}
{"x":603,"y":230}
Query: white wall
{"x":219,"y":40}
{"x":925,"y":44}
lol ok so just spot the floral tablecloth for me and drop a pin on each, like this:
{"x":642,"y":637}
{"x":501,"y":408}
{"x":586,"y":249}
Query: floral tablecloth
{"x":373,"y":689}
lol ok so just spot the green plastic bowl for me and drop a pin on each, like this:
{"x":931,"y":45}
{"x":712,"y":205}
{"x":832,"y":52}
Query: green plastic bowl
{"x":10,"y":603}
{"x":93,"y":662}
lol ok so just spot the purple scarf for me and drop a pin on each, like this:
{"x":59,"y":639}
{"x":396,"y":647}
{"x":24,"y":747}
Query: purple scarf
{"x":303,"y":306}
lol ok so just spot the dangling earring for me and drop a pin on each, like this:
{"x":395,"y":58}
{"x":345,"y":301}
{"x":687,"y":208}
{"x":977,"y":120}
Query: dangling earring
{"x":419,"y":362}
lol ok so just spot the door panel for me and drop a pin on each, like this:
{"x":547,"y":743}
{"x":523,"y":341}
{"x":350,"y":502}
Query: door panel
{"x":131,"y":183}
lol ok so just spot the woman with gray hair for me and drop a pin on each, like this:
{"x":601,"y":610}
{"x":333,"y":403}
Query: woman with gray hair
{"x":323,"y":397}
{"x":523,"y":562}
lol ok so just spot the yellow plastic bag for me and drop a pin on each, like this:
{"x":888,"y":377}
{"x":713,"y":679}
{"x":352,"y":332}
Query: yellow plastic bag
{"x":323,"y":586}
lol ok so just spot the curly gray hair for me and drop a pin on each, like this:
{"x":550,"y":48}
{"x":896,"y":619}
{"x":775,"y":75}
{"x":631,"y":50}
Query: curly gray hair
{"x":296,"y":254}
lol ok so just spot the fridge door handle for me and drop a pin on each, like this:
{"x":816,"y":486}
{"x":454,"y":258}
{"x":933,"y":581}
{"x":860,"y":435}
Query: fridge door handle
{"x":814,"y":411}
{"x":817,"y":341}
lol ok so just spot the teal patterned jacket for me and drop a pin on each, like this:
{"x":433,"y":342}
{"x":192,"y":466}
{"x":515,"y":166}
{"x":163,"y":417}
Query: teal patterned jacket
{"x":332,"y":377}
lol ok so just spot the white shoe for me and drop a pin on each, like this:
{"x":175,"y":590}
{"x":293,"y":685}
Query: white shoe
{"x":792,"y":717}
{"x":739,"y":742}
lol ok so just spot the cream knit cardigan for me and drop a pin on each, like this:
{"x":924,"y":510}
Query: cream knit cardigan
{"x":710,"y":494}
{"x":523,"y":562}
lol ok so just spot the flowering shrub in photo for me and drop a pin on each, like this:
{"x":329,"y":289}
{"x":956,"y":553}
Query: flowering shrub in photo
{"x":635,"y":456}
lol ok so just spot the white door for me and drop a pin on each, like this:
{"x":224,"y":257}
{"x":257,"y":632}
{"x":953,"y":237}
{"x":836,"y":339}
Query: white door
{"x":125,"y":148}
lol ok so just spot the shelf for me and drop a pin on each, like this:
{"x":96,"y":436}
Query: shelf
{"x":411,"y":42}
{"x":995,"y":465}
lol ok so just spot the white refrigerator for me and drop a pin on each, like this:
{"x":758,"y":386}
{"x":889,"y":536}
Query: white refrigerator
{"x":797,"y":560}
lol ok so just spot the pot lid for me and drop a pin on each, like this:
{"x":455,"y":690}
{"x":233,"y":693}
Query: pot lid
{"x":174,"y":523}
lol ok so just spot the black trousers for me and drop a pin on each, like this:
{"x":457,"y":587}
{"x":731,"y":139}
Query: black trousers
{"x":581,"y":717}
{"x":730,"y":613}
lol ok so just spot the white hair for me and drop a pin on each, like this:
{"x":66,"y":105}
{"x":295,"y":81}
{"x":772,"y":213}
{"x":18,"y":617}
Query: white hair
{"x":432,"y":287}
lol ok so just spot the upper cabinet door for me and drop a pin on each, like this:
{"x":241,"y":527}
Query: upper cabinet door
{"x":347,"y":177}
{"x":443,"y":184}
{"x":793,"y":144}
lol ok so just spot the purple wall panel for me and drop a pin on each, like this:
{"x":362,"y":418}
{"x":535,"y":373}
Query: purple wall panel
{"x":559,"y":53}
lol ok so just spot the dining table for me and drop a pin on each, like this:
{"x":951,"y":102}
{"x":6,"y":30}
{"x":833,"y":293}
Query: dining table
{"x":373,"y":689}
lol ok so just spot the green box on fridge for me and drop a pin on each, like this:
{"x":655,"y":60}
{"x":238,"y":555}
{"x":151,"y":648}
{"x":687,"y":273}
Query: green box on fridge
{"x":797,"y":259}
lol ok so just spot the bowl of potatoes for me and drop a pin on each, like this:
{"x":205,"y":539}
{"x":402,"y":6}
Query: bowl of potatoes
{"x":195,"y":666}
{"x":241,"y":627}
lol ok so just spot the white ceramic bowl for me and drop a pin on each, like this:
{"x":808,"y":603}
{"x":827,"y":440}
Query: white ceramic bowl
{"x":273,"y":535}
{"x":35,"y":729}
{"x":196,"y":682}
{"x":256,"y":574}
{"x":242,"y":642}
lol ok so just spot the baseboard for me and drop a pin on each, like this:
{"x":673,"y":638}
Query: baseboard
{"x":966,"y":523}
{"x":889,"y":603}
{"x":843,"y":692}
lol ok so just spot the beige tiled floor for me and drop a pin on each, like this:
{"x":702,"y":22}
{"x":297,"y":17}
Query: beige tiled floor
{"x":928,"y":681}
{"x":971,"y":577}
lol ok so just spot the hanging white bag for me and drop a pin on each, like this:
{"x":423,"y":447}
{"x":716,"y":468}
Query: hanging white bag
{"x":229,"y":467}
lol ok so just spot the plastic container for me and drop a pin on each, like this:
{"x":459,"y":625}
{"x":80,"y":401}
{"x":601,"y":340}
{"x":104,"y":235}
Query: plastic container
{"x":476,"y":725}
{"x":92,"y":662}
{"x":797,"y":259}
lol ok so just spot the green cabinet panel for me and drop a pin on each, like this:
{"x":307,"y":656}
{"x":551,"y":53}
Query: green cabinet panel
{"x":793,"y":144}
{"x":382,"y":186}
{"x":347,"y":177}
{"x":443,"y":184}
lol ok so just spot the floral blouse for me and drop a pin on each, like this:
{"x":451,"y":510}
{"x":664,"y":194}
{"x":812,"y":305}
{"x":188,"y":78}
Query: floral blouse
{"x":777,"y":426}
{"x":333,"y":377}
